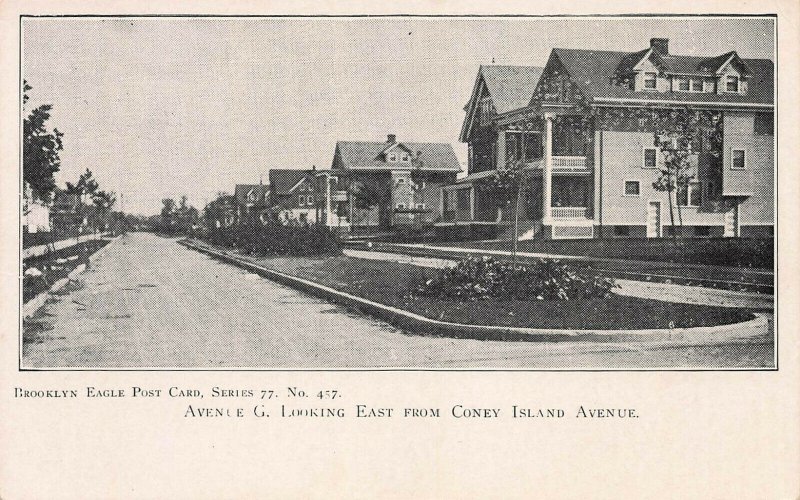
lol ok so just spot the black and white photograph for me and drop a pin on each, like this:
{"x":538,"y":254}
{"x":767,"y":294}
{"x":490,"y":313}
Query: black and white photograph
{"x":398,"y":192}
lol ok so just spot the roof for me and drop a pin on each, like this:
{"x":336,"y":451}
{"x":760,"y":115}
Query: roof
{"x":363,"y":155}
{"x":283,"y":180}
{"x":511,"y":87}
{"x":242,"y":191}
{"x":592,"y":71}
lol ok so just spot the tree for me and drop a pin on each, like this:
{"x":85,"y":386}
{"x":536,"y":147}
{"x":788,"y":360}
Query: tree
{"x":103,"y":202}
{"x":370,"y":193}
{"x":40,"y":150}
{"x":677,"y":134}
{"x":85,"y":188}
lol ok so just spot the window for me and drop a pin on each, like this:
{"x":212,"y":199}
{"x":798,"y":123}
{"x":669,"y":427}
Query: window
{"x":301,"y":200}
{"x":404,"y":157}
{"x":401,"y":206}
{"x":310,"y":199}
{"x":732,"y":84}
{"x":420,"y":206}
{"x":697,"y":85}
{"x":622,"y":231}
{"x":683,"y":84}
{"x":737,"y":159}
{"x":632,"y":188}
{"x":690,"y":195}
{"x":650,"y":81}
{"x":401,"y":180}
{"x":392,"y":156}
{"x":649,"y":158}
{"x":708,"y":86}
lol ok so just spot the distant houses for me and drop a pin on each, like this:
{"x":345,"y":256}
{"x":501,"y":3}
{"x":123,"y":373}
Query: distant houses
{"x":373,"y":185}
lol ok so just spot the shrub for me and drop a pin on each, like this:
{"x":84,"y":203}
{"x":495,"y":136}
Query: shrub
{"x":476,"y":279}
{"x":277,"y":239}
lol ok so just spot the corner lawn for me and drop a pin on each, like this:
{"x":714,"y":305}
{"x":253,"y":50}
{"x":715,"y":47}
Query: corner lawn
{"x":391,"y":283}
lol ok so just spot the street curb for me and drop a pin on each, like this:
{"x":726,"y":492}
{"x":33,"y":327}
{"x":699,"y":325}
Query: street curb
{"x":419,"y":324}
{"x":29,"y":308}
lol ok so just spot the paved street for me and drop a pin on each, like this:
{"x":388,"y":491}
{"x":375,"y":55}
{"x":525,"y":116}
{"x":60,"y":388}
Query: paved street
{"x":149,"y":302}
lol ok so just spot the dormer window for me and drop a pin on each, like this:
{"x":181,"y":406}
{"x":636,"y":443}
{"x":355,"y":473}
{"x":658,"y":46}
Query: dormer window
{"x":404,"y":157}
{"x":392,"y":156}
{"x":697,"y":85}
{"x":650,"y":81}
{"x":732,"y":84}
{"x":683,"y":84}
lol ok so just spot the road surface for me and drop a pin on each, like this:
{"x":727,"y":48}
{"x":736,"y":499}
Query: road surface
{"x":147,"y":301}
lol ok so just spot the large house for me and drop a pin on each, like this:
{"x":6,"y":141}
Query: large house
{"x":386,"y":184}
{"x":584,"y":129}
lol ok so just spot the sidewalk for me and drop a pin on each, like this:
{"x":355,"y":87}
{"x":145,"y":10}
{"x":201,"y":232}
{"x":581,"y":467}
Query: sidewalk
{"x":642,"y":289}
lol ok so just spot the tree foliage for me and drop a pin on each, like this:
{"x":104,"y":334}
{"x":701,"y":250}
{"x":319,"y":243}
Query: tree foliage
{"x":40,"y":150}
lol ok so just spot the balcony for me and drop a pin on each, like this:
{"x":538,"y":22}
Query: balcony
{"x":570,"y":164}
{"x":569,"y":212}
{"x":562,"y":165}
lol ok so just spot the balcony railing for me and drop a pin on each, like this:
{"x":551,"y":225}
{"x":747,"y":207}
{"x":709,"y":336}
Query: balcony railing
{"x":561,"y":164}
{"x":568,"y":212}
{"x":570,"y":163}
{"x":339,"y":196}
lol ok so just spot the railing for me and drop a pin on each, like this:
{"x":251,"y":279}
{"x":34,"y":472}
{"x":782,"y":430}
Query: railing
{"x":561,"y":164}
{"x":568,"y":212}
{"x":339,"y":196}
{"x":570,"y":163}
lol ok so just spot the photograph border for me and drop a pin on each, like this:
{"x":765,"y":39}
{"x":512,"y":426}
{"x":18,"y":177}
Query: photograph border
{"x":776,"y":177}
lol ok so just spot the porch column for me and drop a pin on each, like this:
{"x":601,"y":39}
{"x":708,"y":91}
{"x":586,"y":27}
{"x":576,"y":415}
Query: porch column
{"x":328,"y":205}
{"x":547,"y":175}
{"x":472,"y":202}
{"x":501,"y":149}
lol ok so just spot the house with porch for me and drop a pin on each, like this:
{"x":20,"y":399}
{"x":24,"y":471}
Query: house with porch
{"x":384,"y":184}
{"x":586,"y":141}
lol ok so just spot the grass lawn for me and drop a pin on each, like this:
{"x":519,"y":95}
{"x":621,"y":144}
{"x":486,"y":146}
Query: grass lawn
{"x":391,"y":283}
{"x":736,"y":252}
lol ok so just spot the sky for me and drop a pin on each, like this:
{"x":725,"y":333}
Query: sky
{"x":164,"y":107}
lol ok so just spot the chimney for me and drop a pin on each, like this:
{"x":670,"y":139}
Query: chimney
{"x":391,"y":138}
{"x":660,"y":45}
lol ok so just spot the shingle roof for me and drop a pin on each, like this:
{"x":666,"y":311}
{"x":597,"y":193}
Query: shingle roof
{"x":242,"y":190}
{"x":282,"y":180}
{"x":511,"y":87}
{"x":367,"y":156}
{"x":592,"y":71}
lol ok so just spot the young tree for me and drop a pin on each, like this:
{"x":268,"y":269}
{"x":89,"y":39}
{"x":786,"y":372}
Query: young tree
{"x":676,"y":134}
{"x":40,"y":150}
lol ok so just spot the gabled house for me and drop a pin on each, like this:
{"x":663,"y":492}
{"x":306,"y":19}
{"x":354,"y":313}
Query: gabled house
{"x":252,"y":200}
{"x":390,"y":183}
{"x":65,"y":214}
{"x":586,"y":138}
{"x":293,"y":195}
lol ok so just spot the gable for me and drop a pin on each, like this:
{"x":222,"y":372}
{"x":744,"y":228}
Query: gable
{"x":556,"y":85}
